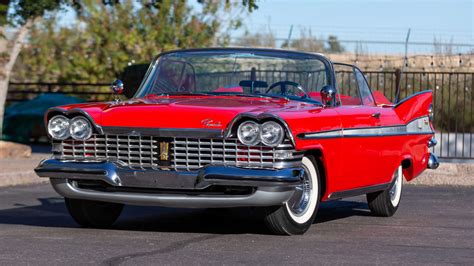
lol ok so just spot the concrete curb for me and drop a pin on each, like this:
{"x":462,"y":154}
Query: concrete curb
{"x":21,"y":178}
{"x":19,"y":171}
{"x":450,"y":174}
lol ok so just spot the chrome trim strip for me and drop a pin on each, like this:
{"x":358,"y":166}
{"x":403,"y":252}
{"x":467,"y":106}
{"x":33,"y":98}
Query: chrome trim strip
{"x":418,"y":126}
{"x":322,"y":135}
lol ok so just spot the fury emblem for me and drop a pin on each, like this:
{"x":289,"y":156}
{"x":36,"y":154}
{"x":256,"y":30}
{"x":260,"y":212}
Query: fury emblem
{"x":164,"y":146}
{"x":210,"y":123}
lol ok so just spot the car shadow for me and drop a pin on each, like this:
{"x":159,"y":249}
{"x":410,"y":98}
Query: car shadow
{"x":51,"y":212}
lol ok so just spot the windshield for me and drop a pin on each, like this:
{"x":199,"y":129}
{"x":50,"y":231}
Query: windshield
{"x":261,"y":73}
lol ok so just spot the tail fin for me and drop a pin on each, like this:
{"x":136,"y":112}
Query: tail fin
{"x":414,"y":106}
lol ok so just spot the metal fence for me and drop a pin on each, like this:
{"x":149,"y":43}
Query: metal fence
{"x":21,"y":91}
{"x":453,"y":100}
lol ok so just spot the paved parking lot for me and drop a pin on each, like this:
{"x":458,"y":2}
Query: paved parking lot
{"x":434,"y":225}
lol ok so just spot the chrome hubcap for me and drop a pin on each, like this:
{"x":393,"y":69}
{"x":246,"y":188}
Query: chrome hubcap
{"x":299,"y":202}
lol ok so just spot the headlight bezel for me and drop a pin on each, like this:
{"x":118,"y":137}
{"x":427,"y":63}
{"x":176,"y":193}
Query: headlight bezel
{"x":256,"y":139}
{"x":66,"y":129}
{"x":87,"y":123}
{"x":260,"y":139}
{"x":279,"y":138}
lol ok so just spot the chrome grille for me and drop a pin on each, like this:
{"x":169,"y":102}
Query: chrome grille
{"x":185,"y":154}
{"x":190,"y":154}
{"x":132,"y":151}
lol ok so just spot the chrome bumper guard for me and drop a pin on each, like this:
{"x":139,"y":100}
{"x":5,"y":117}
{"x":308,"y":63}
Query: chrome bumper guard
{"x":433,"y":162}
{"x":272,"y":187}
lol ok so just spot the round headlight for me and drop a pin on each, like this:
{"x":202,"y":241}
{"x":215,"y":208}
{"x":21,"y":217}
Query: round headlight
{"x":271,"y":134}
{"x":248,"y":133}
{"x":58,"y":127}
{"x":80,"y":128}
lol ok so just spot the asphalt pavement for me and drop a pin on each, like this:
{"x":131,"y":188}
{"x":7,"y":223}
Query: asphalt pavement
{"x":434,"y":225}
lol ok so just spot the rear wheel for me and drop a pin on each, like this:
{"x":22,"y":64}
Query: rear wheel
{"x":385,"y":203}
{"x":297,"y":215}
{"x":97,"y":214}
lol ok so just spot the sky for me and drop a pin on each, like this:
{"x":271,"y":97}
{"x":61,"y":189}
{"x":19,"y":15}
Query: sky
{"x":382,"y":20}
{"x":449,"y":21}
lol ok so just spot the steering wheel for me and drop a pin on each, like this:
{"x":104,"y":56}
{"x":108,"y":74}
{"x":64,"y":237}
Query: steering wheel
{"x":283,"y":85}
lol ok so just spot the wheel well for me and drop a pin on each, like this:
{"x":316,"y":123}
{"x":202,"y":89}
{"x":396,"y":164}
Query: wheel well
{"x":318,"y":156}
{"x":406,"y":163}
{"x":407,"y":166}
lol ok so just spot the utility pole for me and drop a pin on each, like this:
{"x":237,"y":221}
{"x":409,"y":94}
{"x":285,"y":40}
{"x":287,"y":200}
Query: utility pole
{"x":398,"y":74}
{"x":289,"y":36}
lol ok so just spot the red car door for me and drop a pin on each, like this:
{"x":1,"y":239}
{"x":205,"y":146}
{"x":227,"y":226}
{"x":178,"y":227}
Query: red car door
{"x":361,"y":118}
{"x":360,"y":158}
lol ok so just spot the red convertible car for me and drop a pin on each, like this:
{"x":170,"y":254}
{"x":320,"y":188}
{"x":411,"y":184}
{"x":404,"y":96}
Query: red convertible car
{"x":234,"y":127}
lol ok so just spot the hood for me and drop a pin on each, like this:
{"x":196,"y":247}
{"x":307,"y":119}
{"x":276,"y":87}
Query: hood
{"x":211,"y":112}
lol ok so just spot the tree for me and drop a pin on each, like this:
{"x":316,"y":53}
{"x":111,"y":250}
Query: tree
{"x":25,"y":13}
{"x":108,"y":35}
{"x":306,"y":42}
{"x":259,"y":39}
{"x":334,"y":45}
{"x":105,"y":39}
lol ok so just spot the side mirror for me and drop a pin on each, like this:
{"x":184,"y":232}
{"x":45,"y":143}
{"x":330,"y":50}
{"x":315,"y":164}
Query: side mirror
{"x":117,"y":88}
{"x":328,"y":95}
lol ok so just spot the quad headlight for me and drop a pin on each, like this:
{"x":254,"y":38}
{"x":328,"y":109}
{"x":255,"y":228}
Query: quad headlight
{"x":58,"y":127}
{"x":61,"y":127}
{"x":248,"y":133}
{"x":269,"y":133}
{"x":80,"y":128}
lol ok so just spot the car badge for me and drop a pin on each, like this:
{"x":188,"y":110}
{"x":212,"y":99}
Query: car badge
{"x":210,"y":123}
{"x":164,"y":147}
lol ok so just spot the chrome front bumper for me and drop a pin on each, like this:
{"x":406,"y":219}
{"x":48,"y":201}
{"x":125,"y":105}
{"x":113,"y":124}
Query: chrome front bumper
{"x":171,"y":188}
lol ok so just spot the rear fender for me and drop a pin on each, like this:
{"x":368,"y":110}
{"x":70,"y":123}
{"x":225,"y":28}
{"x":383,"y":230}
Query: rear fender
{"x":414,"y":106}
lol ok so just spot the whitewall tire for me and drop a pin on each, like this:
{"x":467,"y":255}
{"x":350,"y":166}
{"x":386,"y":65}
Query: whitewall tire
{"x":298,"y":213}
{"x":385,"y":203}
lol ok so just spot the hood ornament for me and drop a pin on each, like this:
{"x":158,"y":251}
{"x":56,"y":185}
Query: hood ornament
{"x":210,"y":123}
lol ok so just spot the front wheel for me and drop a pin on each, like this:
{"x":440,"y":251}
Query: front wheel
{"x":297,"y":215}
{"x":385,"y":203}
{"x":96,"y":214}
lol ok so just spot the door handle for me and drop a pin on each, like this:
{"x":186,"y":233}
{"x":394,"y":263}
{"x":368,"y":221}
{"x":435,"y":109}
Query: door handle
{"x":376,"y":115}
